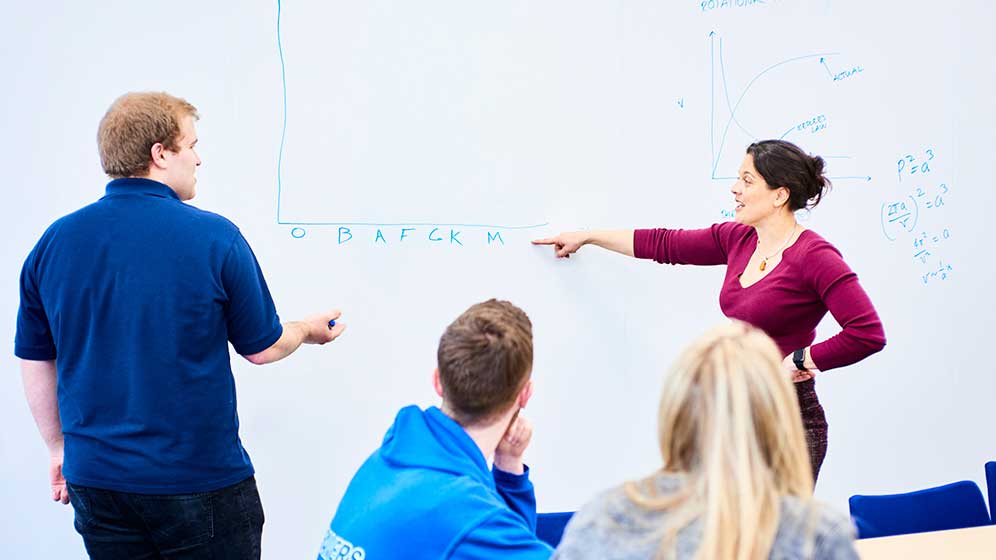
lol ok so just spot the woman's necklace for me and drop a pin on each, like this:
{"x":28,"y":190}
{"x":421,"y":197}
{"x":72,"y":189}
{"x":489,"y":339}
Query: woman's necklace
{"x":764,"y":261}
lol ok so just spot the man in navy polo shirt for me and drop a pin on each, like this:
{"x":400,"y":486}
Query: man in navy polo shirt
{"x":127,"y":309}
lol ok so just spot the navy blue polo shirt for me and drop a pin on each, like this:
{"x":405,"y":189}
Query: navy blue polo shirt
{"x":136,"y":298}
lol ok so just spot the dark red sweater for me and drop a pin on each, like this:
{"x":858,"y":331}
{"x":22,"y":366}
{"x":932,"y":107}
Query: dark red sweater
{"x":811,"y":279}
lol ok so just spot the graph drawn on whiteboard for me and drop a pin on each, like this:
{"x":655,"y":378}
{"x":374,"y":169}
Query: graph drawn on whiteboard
{"x":372,"y":160}
{"x":791,"y":99}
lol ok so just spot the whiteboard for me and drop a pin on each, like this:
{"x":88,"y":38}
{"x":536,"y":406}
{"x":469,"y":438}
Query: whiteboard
{"x":394,"y":159}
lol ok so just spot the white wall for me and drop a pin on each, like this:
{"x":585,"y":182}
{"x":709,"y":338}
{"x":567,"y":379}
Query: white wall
{"x":574,"y":115}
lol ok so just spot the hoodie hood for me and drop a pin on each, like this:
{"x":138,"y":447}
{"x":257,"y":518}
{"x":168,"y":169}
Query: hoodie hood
{"x":427,"y":493}
{"x":431,"y":440}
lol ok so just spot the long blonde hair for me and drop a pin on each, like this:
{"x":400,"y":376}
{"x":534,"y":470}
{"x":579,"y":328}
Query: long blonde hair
{"x":730,"y":422}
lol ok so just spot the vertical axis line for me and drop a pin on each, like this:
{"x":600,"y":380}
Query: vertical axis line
{"x":283,"y":128}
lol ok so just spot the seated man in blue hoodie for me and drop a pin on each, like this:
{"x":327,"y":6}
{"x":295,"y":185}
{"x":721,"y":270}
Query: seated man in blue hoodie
{"x":428,"y":491}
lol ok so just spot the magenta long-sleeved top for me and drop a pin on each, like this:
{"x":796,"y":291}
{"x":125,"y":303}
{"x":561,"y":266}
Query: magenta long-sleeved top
{"x":811,"y":279}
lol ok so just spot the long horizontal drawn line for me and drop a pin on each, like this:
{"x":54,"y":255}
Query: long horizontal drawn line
{"x":421,"y":224}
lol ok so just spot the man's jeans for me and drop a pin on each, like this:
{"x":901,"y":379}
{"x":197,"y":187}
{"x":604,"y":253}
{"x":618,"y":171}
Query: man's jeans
{"x":225,"y":523}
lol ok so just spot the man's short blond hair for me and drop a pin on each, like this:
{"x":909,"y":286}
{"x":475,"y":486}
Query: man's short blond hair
{"x":133,"y":124}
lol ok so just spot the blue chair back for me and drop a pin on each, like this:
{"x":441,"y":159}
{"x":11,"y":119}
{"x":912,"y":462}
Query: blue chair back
{"x":991,"y":484}
{"x":952,"y":506}
{"x":550,"y":526}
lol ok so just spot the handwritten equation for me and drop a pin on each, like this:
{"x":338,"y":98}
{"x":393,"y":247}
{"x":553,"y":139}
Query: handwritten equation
{"x":910,"y":165}
{"x":904,"y":214}
{"x":917,"y":220}
{"x":926,"y":244}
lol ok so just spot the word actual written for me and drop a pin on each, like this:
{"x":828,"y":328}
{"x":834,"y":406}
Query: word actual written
{"x":840,"y":76}
{"x":438,"y":235}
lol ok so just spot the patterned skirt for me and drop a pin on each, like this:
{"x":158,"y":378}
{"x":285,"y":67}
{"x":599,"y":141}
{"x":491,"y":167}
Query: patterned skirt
{"x":814,"y":423}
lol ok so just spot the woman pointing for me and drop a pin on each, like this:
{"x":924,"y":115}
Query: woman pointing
{"x":780,"y":277}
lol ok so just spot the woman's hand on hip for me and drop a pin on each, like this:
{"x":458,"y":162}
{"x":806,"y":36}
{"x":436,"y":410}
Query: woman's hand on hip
{"x":797,"y":374}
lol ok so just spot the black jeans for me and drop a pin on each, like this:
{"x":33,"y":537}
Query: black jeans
{"x":225,"y":523}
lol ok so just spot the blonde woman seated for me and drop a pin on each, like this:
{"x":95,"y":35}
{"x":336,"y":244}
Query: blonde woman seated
{"x":736,"y":481}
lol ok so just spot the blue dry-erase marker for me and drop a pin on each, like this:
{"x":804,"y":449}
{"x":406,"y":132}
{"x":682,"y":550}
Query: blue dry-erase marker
{"x":331,"y":323}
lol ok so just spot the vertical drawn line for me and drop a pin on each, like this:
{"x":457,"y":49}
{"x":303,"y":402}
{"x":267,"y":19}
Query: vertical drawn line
{"x":712,"y":103}
{"x":722,"y":70}
{"x":283,"y":129}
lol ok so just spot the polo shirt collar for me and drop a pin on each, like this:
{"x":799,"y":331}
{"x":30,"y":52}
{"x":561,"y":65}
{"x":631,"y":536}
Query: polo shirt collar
{"x":136,"y":185}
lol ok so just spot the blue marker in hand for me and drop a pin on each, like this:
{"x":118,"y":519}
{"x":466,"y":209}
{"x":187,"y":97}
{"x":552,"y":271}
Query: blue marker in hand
{"x":331,"y":323}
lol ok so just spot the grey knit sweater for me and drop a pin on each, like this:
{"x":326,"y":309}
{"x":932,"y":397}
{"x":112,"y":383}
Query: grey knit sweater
{"x":612,"y":527}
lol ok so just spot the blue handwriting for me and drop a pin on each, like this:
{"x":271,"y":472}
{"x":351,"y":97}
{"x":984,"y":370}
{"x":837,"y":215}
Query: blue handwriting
{"x":710,"y":5}
{"x":925,"y":243}
{"x":941,"y":273}
{"x":909,"y":164}
{"x":406,"y":235}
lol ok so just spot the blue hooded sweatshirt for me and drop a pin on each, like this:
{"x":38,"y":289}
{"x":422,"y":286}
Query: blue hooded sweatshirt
{"x":428,"y":493}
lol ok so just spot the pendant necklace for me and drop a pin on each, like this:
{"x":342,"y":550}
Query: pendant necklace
{"x":764,"y":261}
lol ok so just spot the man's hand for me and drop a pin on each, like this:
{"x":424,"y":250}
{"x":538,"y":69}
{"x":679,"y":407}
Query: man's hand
{"x":40,"y":381}
{"x":319,"y":331}
{"x":508,"y":456}
{"x":59,"y":491}
{"x":313,"y":330}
